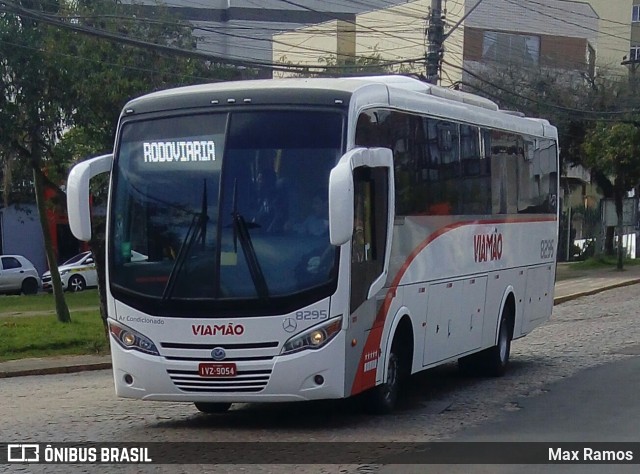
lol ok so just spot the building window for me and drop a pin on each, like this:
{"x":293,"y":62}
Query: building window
{"x":634,"y":53}
{"x":510,"y":48}
{"x":635,"y":14}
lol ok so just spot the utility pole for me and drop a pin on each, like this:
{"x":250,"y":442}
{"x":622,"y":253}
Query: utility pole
{"x":435,"y":39}
{"x":632,"y":64}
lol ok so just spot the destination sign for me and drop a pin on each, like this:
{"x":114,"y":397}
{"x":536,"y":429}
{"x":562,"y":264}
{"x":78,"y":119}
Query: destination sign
{"x":179,"y":151}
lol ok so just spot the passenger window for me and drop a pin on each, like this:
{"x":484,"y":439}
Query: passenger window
{"x":9,"y":263}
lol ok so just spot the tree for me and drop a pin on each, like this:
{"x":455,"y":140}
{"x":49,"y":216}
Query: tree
{"x":35,"y":110}
{"x":334,"y":66}
{"x":613,"y":149}
{"x":109,"y":74}
{"x":570,"y":100}
{"x":55,"y":79}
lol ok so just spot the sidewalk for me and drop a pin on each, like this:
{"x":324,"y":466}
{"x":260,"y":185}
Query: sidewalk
{"x":571,"y":284}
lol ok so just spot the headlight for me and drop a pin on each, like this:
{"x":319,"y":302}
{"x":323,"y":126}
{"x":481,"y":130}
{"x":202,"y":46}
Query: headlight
{"x":313,"y":338}
{"x":132,"y":340}
{"x":64,"y":272}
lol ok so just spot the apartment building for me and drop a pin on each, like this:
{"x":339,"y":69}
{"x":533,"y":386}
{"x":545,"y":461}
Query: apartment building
{"x":579,"y":36}
{"x":245,"y":29}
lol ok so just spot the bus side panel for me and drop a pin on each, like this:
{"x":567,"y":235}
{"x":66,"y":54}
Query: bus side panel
{"x":538,"y":298}
{"x":455,"y":318}
{"x":416,"y":299}
{"x":361,"y":358}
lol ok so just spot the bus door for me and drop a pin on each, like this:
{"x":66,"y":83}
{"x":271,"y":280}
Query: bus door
{"x":370,"y":225}
{"x":361,"y":203}
{"x":361,"y":208}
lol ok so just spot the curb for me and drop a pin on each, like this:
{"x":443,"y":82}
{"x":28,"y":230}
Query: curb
{"x":563,"y":299}
{"x":65,"y":369}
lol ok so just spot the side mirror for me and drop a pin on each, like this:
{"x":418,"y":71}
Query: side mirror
{"x":341,"y":203}
{"x":78,"y":194}
{"x":341,"y":189}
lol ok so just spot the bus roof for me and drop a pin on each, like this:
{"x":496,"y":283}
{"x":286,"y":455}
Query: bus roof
{"x":394,"y":91}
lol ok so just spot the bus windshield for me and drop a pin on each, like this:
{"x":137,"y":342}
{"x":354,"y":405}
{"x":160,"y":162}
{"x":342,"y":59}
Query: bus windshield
{"x":229,"y":209}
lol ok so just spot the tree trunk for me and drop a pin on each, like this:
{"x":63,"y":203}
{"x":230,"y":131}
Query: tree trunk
{"x":62,"y":310}
{"x":619,"y":195}
{"x":610,"y":233}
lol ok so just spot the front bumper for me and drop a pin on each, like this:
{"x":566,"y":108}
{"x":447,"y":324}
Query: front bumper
{"x":291,"y":377}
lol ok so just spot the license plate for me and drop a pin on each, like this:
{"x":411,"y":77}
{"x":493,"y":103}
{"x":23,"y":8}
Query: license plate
{"x":217,"y":370}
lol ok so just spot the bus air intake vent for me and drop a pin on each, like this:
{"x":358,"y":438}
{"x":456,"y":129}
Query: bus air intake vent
{"x":245,"y":381}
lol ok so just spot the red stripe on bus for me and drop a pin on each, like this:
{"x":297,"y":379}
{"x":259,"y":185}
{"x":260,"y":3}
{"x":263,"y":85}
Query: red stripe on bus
{"x":365,"y":380}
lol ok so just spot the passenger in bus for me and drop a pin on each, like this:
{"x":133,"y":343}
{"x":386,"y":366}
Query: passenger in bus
{"x":271,"y":208}
{"x":317,"y":223}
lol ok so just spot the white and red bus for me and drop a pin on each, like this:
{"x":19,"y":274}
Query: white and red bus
{"x":303,"y":239}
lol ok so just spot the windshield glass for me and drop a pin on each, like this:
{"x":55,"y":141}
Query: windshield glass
{"x":227,"y":209}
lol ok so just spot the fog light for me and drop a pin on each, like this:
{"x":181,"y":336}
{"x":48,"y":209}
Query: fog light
{"x":128,"y":379}
{"x":318,"y":379}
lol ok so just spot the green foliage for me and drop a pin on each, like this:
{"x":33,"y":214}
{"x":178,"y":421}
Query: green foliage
{"x":568,"y":100}
{"x":63,"y":90}
{"x":110,"y":73}
{"x":369,"y":65}
{"x":601,"y":262}
{"x":613,"y":149}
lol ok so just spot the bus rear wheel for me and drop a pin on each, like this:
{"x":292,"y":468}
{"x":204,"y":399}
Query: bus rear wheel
{"x":493,"y":361}
{"x":212,"y":407}
{"x":497,"y":357}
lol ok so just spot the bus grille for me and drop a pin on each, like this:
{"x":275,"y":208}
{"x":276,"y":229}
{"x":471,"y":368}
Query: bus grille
{"x":236,"y":352}
{"x":245,"y":381}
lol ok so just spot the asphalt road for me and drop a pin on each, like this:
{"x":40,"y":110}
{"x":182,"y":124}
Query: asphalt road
{"x":597,"y":405}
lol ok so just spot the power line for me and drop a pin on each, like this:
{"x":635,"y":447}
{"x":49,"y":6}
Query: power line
{"x":537,"y":100}
{"x":12,"y":8}
{"x":101,"y":62}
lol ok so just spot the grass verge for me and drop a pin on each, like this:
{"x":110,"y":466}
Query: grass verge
{"x":602,"y":261}
{"x":29,"y":327}
{"x":44,"y":302}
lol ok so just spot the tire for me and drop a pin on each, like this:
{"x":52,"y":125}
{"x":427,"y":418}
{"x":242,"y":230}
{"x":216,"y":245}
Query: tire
{"x":382,"y":399}
{"x":491,"y":362}
{"x":76,"y":283}
{"x":29,"y":286}
{"x":210,"y":407}
{"x":497,"y":357}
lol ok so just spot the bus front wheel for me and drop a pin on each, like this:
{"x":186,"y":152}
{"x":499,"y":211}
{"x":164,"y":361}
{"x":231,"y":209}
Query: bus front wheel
{"x":211,"y":407}
{"x":381,"y":400}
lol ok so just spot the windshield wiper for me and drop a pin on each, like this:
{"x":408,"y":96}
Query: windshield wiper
{"x":241,"y":232}
{"x":197,"y":230}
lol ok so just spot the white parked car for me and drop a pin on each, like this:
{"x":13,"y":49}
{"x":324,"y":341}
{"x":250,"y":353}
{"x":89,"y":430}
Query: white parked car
{"x":18,"y":275}
{"x":77,"y":273}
